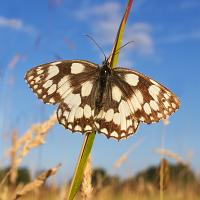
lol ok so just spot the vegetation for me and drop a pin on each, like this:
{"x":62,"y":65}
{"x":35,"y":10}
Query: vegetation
{"x":182,"y":184}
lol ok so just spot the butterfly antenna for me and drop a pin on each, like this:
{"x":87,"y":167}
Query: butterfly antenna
{"x":117,"y":51}
{"x":93,"y":40}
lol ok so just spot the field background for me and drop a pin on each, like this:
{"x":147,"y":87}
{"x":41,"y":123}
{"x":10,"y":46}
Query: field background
{"x":161,"y":161}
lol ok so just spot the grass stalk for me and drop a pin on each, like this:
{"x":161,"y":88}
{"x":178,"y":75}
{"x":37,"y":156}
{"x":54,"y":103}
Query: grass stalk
{"x":83,"y":157}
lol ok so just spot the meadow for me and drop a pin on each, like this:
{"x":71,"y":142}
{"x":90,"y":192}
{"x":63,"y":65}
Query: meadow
{"x":166,"y":181}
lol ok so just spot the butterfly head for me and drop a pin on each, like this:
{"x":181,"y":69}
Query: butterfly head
{"x":106,"y":66}
{"x":105,"y":62}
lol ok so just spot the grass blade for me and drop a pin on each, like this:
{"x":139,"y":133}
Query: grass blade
{"x":116,"y":48}
{"x":78,"y":174}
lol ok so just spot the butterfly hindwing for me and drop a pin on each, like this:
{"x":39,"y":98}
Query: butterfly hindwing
{"x":115,"y":118}
{"x":149,"y":100}
{"x":76,"y":111}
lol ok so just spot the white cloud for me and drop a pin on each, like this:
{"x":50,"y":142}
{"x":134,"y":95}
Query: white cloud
{"x":182,"y":36}
{"x":140,"y":33}
{"x":104,"y":20}
{"x":103,"y":11}
{"x":16,"y":24}
{"x":11,"y":23}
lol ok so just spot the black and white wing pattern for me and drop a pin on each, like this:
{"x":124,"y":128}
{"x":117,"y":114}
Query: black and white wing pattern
{"x":52,"y":82}
{"x":110,"y":101}
{"x":148,"y":100}
{"x":68,"y":83}
{"x":115,"y":119}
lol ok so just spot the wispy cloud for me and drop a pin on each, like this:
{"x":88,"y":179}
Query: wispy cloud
{"x":140,"y":33}
{"x":182,"y":36}
{"x":104,"y":20}
{"x":16,"y":24}
{"x":106,"y":10}
{"x":185,"y":4}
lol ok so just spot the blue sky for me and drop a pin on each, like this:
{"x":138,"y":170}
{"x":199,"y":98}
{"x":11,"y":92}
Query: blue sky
{"x":166,"y":47}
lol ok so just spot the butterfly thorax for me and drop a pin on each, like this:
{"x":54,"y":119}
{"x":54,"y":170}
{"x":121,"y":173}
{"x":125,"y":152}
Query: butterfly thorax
{"x":104,"y":73}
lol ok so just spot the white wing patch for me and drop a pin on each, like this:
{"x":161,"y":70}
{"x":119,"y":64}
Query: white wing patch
{"x":132,"y":79}
{"x":139,"y":96}
{"x":53,"y":70}
{"x":116,"y":93}
{"x":109,"y":115}
{"x":147,"y":108}
{"x":48,"y":84}
{"x":154,"y":91}
{"x":135,"y":103}
{"x":86,"y":88}
{"x":154,"y":105}
{"x":77,"y":68}
{"x":116,"y":119}
{"x":52,"y":89}
{"x":79,"y":113}
{"x":64,"y":87}
{"x":87,"y":111}
{"x":73,"y":100}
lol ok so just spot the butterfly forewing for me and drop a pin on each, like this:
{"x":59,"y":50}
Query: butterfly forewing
{"x":52,"y":82}
{"x":148,"y":100}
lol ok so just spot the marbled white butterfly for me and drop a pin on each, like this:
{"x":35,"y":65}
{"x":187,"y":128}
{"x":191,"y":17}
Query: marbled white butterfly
{"x":92,"y":97}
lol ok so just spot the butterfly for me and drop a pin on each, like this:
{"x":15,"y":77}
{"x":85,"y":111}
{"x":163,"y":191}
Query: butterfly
{"x":112,"y":101}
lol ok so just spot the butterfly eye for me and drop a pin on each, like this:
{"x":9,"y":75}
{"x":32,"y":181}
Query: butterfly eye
{"x":106,"y":71}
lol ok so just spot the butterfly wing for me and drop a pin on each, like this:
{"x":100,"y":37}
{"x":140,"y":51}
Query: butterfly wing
{"x":76,"y":111}
{"x":52,"y":82}
{"x":115,"y":119}
{"x":149,"y":100}
{"x":71,"y":83}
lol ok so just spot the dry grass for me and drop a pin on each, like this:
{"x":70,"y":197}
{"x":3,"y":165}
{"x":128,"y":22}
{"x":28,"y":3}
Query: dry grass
{"x":13,"y":170}
{"x":143,"y":191}
{"x":38,"y":182}
{"x":35,"y":136}
{"x":32,"y":138}
{"x":86,"y":189}
{"x":170,"y":154}
{"x":163,"y":176}
{"x":123,"y":158}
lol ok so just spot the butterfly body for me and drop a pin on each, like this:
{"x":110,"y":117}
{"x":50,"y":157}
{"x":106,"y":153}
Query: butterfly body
{"x":92,"y":97}
{"x":104,"y":74}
